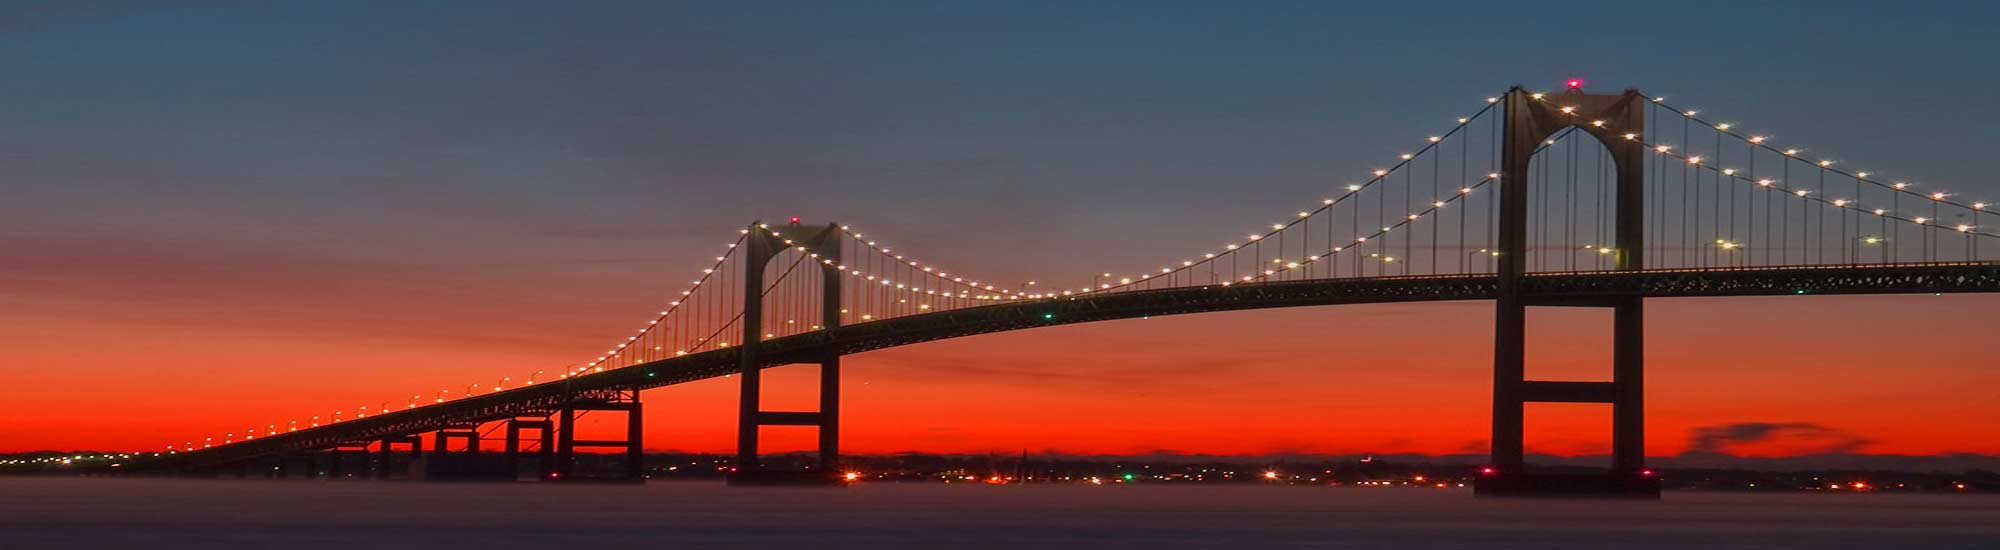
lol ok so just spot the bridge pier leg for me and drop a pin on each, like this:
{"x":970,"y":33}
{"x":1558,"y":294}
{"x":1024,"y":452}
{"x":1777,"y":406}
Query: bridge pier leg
{"x":386,"y":462}
{"x":337,"y":461}
{"x":545,"y":461}
{"x":285,"y":462}
{"x":565,"y":444}
{"x":444,"y":464}
{"x":633,"y":443}
{"x":750,"y":363}
{"x":1509,"y":354}
{"x":635,"y":437}
{"x":1628,"y":377}
{"x":337,"y":458}
{"x":829,"y":415}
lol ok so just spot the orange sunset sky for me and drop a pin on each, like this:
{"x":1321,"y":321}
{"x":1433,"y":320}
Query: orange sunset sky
{"x":139,"y":356}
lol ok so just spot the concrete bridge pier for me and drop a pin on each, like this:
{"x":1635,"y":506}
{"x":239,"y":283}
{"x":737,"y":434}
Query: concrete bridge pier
{"x":470,"y":464}
{"x":385,"y":462}
{"x":634,"y":442}
{"x":545,"y":451}
{"x":333,"y":468}
{"x":337,"y":458}
{"x":308,"y":464}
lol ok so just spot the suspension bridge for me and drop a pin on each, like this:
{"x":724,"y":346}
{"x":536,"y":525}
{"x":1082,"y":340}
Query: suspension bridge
{"x":1537,"y":199}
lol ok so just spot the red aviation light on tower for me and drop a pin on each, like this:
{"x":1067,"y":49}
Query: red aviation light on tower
{"x":1574,"y":84}
{"x":795,"y":219}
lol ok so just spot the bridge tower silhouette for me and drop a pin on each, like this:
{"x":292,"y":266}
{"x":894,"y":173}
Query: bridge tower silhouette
{"x":1527,"y":123}
{"x":761,"y":248}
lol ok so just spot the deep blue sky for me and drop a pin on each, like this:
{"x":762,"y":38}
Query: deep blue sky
{"x":1039,"y":132}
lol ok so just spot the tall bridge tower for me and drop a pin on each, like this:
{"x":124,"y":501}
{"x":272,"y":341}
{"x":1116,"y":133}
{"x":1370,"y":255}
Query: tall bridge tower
{"x":1529,"y":120}
{"x":762,"y":247}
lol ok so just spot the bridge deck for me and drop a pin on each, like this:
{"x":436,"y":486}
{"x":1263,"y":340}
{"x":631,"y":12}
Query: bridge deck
{"x":540,"y":399}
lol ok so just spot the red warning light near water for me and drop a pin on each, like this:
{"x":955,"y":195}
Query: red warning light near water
{"x":1574,"y":84}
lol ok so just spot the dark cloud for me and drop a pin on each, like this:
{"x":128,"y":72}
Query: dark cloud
{"x":1721,"y":438}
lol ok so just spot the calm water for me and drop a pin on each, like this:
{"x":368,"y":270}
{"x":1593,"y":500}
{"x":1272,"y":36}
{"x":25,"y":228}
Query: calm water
{"x":155,"y":514}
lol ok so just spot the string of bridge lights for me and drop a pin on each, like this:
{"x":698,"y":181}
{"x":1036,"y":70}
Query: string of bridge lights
{"x":597,"y":365}
{"x":1734,"y":174}
{"x":908,"y":288}
{"x":886,"y":282}
{"x":471,"y":389}
{"x":1380,"y":175}
{"x":1772,"y":184}
{"x":67,"y":459}
{"x":1407,"y":219}
{"x":1764,"y":142}
{"x":1790,"y":154}
{"x":726,"y":325}
{"x":1376,"y":176}
{"x":932,"y":271}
